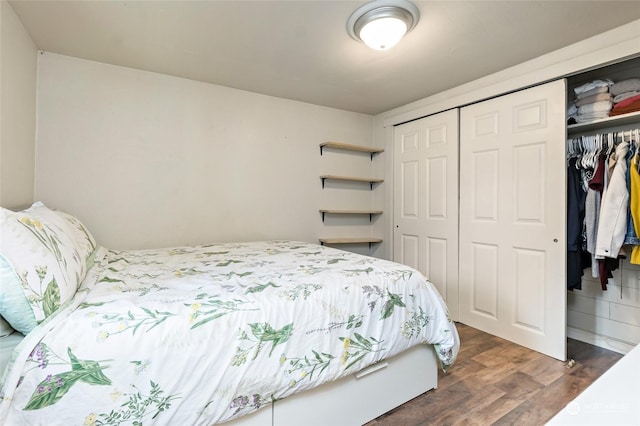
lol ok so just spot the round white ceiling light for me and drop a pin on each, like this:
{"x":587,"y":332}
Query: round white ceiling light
{"x":381,"y":24}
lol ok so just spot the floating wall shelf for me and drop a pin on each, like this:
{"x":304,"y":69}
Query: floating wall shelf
{"x":350,"y":147}
{"x":369,"y":212}
{"x":369,"y":241}
{"x":370,"y":181}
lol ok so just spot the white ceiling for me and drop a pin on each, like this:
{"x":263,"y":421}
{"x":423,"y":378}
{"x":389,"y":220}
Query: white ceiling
{"x":299,"y":49}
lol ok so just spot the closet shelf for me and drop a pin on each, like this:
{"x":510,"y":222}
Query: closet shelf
{"x":369,"y":241}
{"x":371,"y":181}
{"x":617,"y":120}
{"x":350,"y":147}
{"x":369,"y":212}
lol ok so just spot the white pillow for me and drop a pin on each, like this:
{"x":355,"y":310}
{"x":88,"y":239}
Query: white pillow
{"x":46,"y":255}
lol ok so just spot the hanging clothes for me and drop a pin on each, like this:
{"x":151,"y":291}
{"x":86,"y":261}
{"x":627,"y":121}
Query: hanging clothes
{"x":575,"y":219}
{"x":612,"y":224}
{"x":592,"y":208}
{"x":635,"y":203}
{"x":603,"y":211}
{"x":631,"y":238}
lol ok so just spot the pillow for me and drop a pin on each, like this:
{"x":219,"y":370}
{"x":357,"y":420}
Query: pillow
{"x":46,"y":254}
{"x":5,"y":328}
{"x":14,"y":305}
{"x":83,"y":241}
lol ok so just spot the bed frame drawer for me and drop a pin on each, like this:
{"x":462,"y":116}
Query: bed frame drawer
{"x":362,"y":397}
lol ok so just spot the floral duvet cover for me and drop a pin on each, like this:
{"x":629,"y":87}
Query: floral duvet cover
{"x":205,"y":334}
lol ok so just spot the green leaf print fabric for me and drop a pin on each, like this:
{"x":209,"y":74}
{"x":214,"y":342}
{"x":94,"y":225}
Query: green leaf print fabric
{"x":205,"y":334}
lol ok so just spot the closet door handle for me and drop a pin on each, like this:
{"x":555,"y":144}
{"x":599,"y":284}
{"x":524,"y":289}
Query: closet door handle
{"x":555,"y":240}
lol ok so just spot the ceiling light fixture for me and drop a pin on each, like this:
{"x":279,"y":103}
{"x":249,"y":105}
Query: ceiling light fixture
{"x":381,"y":24}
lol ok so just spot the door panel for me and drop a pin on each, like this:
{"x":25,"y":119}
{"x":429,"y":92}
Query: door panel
{"x":512,"y":217}
{"x":426,"y":201}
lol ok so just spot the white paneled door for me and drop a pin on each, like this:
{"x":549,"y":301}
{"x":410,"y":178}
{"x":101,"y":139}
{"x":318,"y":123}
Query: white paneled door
{"x":513,"y":217}
{"x":426,"y":201}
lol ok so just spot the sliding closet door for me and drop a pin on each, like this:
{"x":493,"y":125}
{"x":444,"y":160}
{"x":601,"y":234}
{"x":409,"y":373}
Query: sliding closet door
{"x":512,"y":217}
{"x":426,"y":201}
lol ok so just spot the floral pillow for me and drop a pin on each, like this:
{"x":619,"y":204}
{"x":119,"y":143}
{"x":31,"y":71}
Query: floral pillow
{"x":45,"y":257}
{"x":83,"y":241}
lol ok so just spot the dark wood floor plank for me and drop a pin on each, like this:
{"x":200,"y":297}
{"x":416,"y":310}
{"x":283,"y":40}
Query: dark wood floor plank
{"x":544,"y":371}
{"x":489,"y":414}
{"x":526,"y":413}
{"x":496,"y":382}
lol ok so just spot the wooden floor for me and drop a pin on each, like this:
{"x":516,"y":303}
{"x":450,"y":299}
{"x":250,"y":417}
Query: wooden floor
{"x":496,"y":382}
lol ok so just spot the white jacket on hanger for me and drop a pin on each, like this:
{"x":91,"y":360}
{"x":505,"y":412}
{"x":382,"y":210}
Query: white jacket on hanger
{"x":612,"y":224}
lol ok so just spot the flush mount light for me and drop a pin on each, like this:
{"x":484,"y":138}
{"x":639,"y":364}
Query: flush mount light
{"x":381,"y":24}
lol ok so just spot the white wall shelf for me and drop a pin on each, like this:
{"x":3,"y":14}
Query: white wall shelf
{"x":369,"y":241}
{"x":617,"y":120}
{"x":351,"y":147}
{"x":354,"y":212}
{"x":370,"y":181}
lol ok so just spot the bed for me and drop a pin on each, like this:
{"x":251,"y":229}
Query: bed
{"x":249,"y":333}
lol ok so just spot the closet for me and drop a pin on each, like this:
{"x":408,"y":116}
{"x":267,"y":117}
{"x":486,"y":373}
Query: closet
{"x":507,"y":273}
{"x":609,"y":318}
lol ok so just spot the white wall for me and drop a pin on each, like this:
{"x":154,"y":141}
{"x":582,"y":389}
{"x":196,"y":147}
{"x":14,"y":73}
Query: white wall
{"x":611,"y":318}
{"x":18,"y":65}
{"x":149,"y":160}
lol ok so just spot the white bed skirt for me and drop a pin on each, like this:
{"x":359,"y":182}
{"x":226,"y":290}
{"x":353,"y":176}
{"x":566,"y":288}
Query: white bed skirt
{"x":356,"y":399}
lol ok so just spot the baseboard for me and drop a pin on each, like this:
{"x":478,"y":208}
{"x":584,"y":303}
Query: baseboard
{"x":599,"y":340}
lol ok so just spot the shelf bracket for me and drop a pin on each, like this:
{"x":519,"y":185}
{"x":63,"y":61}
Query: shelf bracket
{"x":371,"y":185}
{"x":322,"y":182}
{"x":323,"y":217}
{"x":321,"y":150}
{"x":370,"y":217}
{"x":369,"y":153}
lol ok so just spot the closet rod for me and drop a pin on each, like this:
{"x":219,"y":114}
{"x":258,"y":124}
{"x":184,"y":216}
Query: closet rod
{"x":630,"y":133}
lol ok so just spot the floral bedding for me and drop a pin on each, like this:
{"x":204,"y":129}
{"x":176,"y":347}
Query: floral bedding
{"x":205,"y":334}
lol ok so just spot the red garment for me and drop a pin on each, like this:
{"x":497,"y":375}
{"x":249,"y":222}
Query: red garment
{"x":597,"y":181}
{"x":632,"y":107}
{"x":623,"y":103}
{"x":626,"y":106}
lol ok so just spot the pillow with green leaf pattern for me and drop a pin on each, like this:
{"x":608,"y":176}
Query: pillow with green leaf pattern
{"x":44,"y":256}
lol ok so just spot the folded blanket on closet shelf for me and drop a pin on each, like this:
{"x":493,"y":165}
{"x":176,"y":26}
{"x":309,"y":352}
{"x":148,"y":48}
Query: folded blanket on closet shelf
{"x":593,"y":101}
{"x":592,"y":88}
{"x":626,"y":95}
{"x":587,"y":118}
{"x":627,"y":106}
{"x":594,"y":111}
{"x":592,"y":92}
{"x":594,"y":98}
{"x":600,"y":106}
{"x":628,"y":85}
